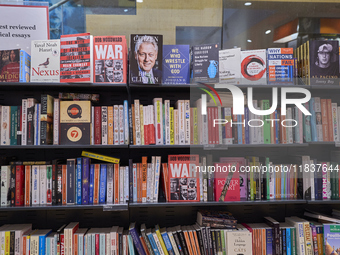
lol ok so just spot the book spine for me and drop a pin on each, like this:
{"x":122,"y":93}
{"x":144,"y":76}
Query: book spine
{"x":19,"y":185}
{"x":59,"y":184}
{"x":102,"y":185}
{"x":71,"y":177}
{"x":56,"y":121}
{"x":126,"y":122}
{"x":130,"y":181}
{"x":96,"y":183}
{"x":104,"y":125}
{"x":121,"y":184}
{"x":97,"y":125}
{"x":49,"y":184}
{"x":27,"y":185}
{"x":43,"y":122}
{"x":135,"y":237}
{"x":79,"y":181}
{"x":35,"y":185}
{"x":110,"y":138}
{"x":13,"y":125}
{"x":85,"y":180}
{"x":91,"y":186}
{"x":109,"y":195}
{"x":158,"y":120}
{"x":137,"y":123}
{"x":126,"y":184}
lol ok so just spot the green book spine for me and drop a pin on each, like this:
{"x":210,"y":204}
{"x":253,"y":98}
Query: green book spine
{"x":223,"y":242}
{"x":14,"y":125}
{"x":293,"y":240}
{"x":266,"y":124}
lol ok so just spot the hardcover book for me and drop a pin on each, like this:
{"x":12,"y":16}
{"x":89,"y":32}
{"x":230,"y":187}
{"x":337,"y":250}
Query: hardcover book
{"x":146,"y":59}
{"x":230,"y":66}
{"x":227,"y":182}
{"x":110,"y":59}
{"x":76,"y":57}
{"x":14,"y":66}
{"x":176,"y":66}
{"x":205,"y":63}
{"x":45,"y":62}
{"x":184,"y":178}
{"x":280,"y":66}
{"x":253,"y":67}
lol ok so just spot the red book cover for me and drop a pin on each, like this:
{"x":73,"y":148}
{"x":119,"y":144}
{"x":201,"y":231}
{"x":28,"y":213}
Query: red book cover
{"x":330,"y":121}
{"x":152,"y":139}
{"x":146,"y":125}
{"x":76,"y":58}
{"x":97,"y":244}
{"x":97,"y":125}
{"x":216,"y":127}
{"x":144,"y":178}
{"x":110,"y":59}
{"x":165,"y":182}
{"x":64,"y":184}
{"x":183,"y":178}
{"x":116,"y":183}
{"x":19,"y":184}
{"x":62,"y":245}
{"x":324,"y":114}
{"x":227,"y":182}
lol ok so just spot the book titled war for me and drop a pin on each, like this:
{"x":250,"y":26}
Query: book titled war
{"x":110,"y":59}
{"x":45,"y":62}
{"x":205,"y":63}
{"x":76,"y":56}
{"x":176,"y":64}
{"x":184,"y":184}
{"x":146,"y":59}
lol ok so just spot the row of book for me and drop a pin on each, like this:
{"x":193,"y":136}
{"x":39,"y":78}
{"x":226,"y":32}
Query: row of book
{"x":79,"y":181}
{"x":59,"y":121}
{"x":103,"y":59}
{"x":294,"y":236}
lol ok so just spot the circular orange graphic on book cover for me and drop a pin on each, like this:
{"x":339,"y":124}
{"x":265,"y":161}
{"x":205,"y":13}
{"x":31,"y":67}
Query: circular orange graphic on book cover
{"x":74,"y":111}
{"x":74,"y":134}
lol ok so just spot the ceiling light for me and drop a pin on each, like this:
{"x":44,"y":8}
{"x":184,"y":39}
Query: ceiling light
{"x":268,"y":31}
{"x":247,"y":3}
{"x":139,"y":1}
{"x":125,"y":10}
{"x":249,"y":40}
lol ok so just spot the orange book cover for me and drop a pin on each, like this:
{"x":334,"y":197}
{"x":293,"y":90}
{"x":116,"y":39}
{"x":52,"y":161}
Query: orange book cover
{"x":165,"y":180}
{"x":75,"y":241}
{"x":64,"y":183}
{"x":187,"y":240}
{"x":196,"y":241}
{"x":116,"y":183}
{"x":110,"y":59}
{"x":110,"y":125}
{"x":139,"y":182}
{"x":96,"y":184}
{"x":330,"y":121}
{"x":144,"y":178}
{"x":27,"y":185}
{"x":324,"y":116}
{"x":144,"y":245}
{"x":192,"y":240}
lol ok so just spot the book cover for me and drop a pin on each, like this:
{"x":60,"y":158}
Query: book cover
{"x":280,"y":66}
{"x":230,"y":66}
{"x":253,"y":67}
{"x":183,"y":178}
{"x":46,"y":119}
{"x":176,"y":64}
{"x":76,"y":57}
{"x":45,"y":61}
{"x":146,"y":59}
{"x":205,"y":63}
{"x":15,"y":65}
{"x":110,"y":59}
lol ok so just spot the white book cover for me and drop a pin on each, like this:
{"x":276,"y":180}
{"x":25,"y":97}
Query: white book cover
{"x":116,"y":124}
{"x":198,"y":105}
{"x":126,"y":184}
{"x":158,"y":120}
{"x":137,"y":123}
{"x":335,"y":121}
{"x":176,"y":126}
{"x":126,"y":122}
{"x":141,"y":123}
{"x":254,"y":67}
{"x":201,"y":184}
{"x":121,"y":183}
{"x":152,"y":188}
{"x":121,"y":124}
{"x":134,"y":170}
{"x":5,"y":181}
{"x":300,"y":126}
{"x":108,"y":244}
{"x":113,"y":234}
{"x":240,"y":240}
{"x":109,"y":189}
{"x":35,"y":185}
{"x":271,"y":183}
{"x":229,"y":66}
{"x":181,"y":122}
{"x":45,"y":60}
{"x":158,"y":244}
{"x":187,"y":121}
{"x":157,"y":174}
{"x":5,"y":125}
{"x":151,"y":121}
{"x":312,"y":176}
{"x":167,"y":121}
{"x":37,"y":117}
{"x":43,"y":186}
{"x":204,"y":119}
{"x":104,"y":125}
{"x":148,"y":184}
{"x":55,"y":121}
{"x":205,"y":181}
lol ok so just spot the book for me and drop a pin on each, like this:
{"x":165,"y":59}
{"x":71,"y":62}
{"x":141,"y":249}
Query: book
{"x":76,"y":58}
{"x":15,"y":66}
{"x":45,"y":60}
{"x":176,"y":64}
{"x":110,"y":59}
{"x":46,"y":119}
{"x":229,"y":66}
{"x":146,"y":58}
{"x":253,"y":67}
{"x":280,"y":66}
{"x":227,"y":182}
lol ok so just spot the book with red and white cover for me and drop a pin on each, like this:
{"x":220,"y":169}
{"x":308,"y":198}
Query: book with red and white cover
{"x":254,"y":67}
{"x":146,"y":121}
{"x":76,"y":58}
{"x":110,"y":59}
{"x":19,"y":184}
{"x":227,"y":182}
{"x":45,"y":60}
{"x":183,"y":178}
{"x":151,"y":125}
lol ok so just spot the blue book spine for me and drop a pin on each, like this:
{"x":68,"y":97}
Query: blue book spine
{"x":37,"y":126}
{"x":289,"y":245}
{"x":130,"y":180}
{"x":239,"y":129}
{"x":167,"y":242}
{"x":91,"y":184}
{"x":131,"y":247}
{"x":102,"y":185}
{"x":223,"y":126}
{"x":42,"y":243}
{"x":79,"y":180}
{"x":102,"y":245}
{"x":85,"y":181}
{"x":126,"y":122}
{"x":313,"y":119}
{"x":176,"y":64}
{"x":269,"y":241}
{"x":25,"y":66}
{"x":284,"y":244}
{"x":277,"y":128}
{"x":136,"y":241}
{"x":246,"y":118}
{"x":153,"y":244}
{"x":48,"y":247}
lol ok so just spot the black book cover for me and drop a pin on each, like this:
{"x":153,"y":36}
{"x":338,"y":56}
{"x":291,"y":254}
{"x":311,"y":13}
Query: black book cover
{"x":12,"y":185}
{"x":178,"y":243}
{"x":218,"y":241}
{"x":120,"y":241}
{"x":59,"y":184}
{"x":182,"y":240}
{"x":210,"y":245}
{"x":43,"y":120}
{"x":205,"y":240}
{"x":19,"y":128}
{"x":276,"y":234}
{"x":55,"y":180}
{"x":283,"y":241}
{"x":30,"y":125}
{"x":200,"y":239}
{"x":213,"y":241}
{"x":12,"y":243}
{"x":130,"y":180}
{"x":71,"y":173}
{"x":75,"y":133}
{"x":130,"y":127}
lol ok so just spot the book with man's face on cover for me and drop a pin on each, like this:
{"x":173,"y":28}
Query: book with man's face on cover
{"x":146,"y":59}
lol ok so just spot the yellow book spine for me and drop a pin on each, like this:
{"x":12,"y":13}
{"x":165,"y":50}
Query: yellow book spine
{"x":100,"y":157}
{"x":110,"y":139}
{"x":7,"y":240}
{"x":172,"y":134}
{"x":195,"y":125}
{"x":161,"y":241}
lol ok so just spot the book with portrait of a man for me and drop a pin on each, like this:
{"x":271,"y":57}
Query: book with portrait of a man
{"x":184,"y":185}
{"x":324,"y":62}
{"x":146,"y":59}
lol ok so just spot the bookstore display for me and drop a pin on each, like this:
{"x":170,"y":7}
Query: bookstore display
{"x":134,"y":125}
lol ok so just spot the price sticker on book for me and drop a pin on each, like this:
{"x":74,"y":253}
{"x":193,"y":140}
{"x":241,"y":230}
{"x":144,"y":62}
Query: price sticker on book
{"x":115,"y":207}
